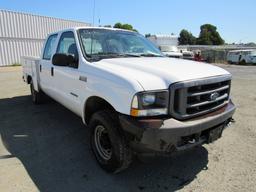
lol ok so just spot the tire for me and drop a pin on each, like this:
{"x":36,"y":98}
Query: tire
{"x":243,"y":62}
{"x":108,"y":143}
{"x":37,"y":97}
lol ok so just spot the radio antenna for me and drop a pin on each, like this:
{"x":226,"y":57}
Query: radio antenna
{"x":93,"y":17}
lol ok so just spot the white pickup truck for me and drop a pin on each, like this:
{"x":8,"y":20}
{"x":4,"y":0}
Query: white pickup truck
{"x":133,"y":98}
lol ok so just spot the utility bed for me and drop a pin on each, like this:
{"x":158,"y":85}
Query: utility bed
{"x":30,"y":66}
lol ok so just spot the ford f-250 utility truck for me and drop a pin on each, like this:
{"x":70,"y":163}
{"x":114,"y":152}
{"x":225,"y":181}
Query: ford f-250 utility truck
{"x":133,"y":98}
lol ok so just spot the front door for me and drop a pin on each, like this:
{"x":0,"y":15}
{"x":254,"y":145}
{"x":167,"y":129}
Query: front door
{"x":66,"y":78}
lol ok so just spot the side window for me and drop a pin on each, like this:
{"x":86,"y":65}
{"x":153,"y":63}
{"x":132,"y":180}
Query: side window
{"x":67,"y":45}
{"x":49,"y":46}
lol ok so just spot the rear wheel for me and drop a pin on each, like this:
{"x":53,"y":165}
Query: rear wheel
{"x":243,"y":62}
{"x":37,"y":97}
{"x":108,"y":143}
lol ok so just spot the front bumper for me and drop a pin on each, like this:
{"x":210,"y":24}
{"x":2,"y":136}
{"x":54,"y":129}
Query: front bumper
{"x":169,"y":135}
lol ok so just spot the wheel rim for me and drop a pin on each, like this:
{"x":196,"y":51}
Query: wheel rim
{"x":102,"y":142}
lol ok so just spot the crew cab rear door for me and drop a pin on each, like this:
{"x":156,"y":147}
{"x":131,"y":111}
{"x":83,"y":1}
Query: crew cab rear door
{"x":46,"y":67}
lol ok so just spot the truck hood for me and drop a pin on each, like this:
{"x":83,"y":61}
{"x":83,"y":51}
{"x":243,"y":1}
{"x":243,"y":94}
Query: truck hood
{"x":154,"y":73}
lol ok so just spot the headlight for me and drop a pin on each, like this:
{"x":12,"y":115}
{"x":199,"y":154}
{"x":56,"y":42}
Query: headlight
{"x":148,"y":99}
{"x":150,"y":103}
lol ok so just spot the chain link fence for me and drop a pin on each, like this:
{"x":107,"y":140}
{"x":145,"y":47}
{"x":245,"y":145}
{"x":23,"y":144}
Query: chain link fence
{"x":214,"y":54}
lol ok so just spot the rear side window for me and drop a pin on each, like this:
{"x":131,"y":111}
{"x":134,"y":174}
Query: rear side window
{"x":48,"y":50}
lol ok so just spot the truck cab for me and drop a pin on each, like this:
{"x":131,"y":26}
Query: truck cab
{"x":133,"y":98}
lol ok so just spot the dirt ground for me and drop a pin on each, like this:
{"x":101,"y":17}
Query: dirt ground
{"x":46,"y":148}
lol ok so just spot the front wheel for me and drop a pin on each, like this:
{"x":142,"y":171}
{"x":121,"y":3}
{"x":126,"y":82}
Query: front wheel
{"x":108,"y":143}
{"x":37,"y":97}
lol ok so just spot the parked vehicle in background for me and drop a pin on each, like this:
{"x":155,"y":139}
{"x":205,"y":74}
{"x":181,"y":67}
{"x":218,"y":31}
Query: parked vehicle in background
{"x":198,"y":56}
{"x":189,"y":55}
{"x":233,"y":56}
{"x":133,"y":98}
{"x":170,"y":51}
{"x":161,"y":39}
{"x":241,"y":57}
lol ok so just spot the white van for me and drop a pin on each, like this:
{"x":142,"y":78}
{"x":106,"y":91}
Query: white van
{"x":189,"y":55}
{"x":242,"y":57}
{"x":170,"y":51}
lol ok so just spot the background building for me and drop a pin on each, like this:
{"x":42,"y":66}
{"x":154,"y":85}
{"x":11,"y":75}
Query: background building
{"x":23,"y":34}
{"x":164,"y":40}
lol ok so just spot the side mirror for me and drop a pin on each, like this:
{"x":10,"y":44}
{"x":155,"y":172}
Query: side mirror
{"x":60,"y":59}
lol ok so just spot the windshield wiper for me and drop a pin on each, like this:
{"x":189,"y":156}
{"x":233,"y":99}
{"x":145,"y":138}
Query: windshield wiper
{"x":150,"y":55}
{"x":104,"y":55}
{"x":131,"y":55}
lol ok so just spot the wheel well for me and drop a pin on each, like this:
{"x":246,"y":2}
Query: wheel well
{"x":29,"y":79}
{"x":94,"y":104}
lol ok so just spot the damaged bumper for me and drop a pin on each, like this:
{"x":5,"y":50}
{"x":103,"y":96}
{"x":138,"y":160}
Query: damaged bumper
{"x":170,"y":135}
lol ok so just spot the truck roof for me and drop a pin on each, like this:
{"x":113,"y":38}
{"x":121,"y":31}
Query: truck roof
{"x":88,"y":27}
{"x":242,"y":50}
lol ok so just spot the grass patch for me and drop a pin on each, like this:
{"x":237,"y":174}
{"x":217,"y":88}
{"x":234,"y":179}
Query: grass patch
{"x":15,"y":65}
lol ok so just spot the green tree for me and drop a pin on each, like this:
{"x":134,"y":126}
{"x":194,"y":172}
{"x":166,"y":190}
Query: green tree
{"x":147,"y":35}
{"x":186,"y":38}
{"x":109,"y":26}
{"x":251,"y":44}
{"x":209,"y":36}
{"x":118,"y":25}
{"x":124,"y":26}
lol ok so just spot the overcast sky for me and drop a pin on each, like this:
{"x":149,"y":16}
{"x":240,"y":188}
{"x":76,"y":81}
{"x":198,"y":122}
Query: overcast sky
{"x":235,"y":19}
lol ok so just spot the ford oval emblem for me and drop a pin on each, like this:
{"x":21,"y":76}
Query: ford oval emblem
{"x":214,"y":96}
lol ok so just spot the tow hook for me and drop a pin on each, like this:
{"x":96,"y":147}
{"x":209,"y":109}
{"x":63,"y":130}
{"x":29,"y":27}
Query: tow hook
{"x":232,"y":120}
{"x":192,"y":141}
{"x":229,"y":122}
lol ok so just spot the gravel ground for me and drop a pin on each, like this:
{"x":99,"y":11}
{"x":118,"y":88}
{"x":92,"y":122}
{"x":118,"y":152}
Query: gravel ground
{"x":46,"y":148}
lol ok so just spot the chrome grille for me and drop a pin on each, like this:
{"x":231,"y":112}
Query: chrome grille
{"x":193,"y":98}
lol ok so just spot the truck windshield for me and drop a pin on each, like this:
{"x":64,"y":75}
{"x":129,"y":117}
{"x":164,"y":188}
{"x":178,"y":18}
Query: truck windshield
{"x":100,"y":44}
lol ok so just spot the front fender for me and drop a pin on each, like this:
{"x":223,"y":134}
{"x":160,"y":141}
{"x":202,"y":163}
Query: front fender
{"x":118,"y":94}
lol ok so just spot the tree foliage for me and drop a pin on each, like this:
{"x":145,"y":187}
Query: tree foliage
{"x":186,"y":38}
{"x":147,"y":35}
{"x":124,"y":26}
{"x":251,"y":44}
{"x":209,"y":36}
{"x":109,"y":26}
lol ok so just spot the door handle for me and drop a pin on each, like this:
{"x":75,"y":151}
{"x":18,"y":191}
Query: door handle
{"x":40,"y":68}
{"x":52,"y":71}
